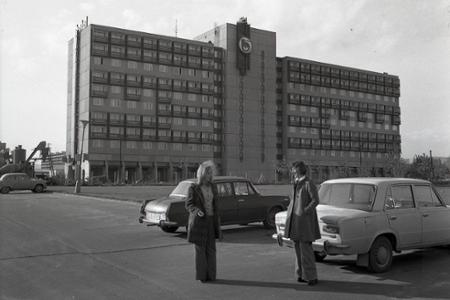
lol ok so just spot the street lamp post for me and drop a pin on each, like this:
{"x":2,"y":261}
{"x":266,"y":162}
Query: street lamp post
{"x":78,"y":181}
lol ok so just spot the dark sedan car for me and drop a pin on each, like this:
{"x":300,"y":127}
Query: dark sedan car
{"x":239,"y":203}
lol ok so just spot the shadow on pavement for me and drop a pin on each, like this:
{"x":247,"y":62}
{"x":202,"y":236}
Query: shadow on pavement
{"x":395,"y":289}
{"x":248,"y":234}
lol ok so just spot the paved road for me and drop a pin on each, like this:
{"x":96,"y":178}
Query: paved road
{"x":55,"y":246}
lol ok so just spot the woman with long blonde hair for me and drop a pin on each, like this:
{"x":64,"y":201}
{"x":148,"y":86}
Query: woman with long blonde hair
{"x":204,"y":223}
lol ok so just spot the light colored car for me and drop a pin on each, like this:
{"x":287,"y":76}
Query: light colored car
{"x":239,"y":202}
{"x":372,"y":217}
{"x":21,"y":181}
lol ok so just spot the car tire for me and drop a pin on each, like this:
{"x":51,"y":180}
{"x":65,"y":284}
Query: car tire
{"x":380,"y":255}
{"x":169,"y":229}
{"x":269,"y":222}
{"x":5,"y":190}
{"x":38,"y":188}
{"x":320,"y":256}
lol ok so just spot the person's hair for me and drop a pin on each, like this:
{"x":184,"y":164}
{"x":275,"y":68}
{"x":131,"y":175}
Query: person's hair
{"x":203,"y":168}
{"x":301,"y":167}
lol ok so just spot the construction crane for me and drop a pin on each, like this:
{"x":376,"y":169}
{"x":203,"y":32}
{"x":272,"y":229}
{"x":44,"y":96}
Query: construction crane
{"x":26,"y":166}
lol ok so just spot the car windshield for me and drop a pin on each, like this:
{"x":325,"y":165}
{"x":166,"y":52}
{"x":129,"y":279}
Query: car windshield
{"x":348,"y":195}
{"x":182,"y":189}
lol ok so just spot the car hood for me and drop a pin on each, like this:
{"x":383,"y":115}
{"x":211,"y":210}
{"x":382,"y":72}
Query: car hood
{"x":161,"y":204}
{"x":330,"y":214}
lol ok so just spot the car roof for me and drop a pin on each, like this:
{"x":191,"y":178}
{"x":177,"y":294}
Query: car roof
{"x":221,"y":179}
{"x":10,"y":174}
{"x":376,"y":180}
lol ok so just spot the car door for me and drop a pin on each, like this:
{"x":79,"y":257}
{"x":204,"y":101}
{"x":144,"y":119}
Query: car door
{"x":435,"y":216}
{"x":20,"y":182}
{"x":228,"y":208}
{"x":247,"y":199}
{"x":404,"y":218}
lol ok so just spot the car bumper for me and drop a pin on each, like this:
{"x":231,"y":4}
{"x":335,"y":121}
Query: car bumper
{"x":320,"y":245}
{"x":143,"y":219}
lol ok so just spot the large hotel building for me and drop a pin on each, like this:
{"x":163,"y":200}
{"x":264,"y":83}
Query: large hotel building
{"x":157,"y":106}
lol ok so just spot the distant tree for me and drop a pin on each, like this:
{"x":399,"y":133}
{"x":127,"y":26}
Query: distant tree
{"x":422,"y":167}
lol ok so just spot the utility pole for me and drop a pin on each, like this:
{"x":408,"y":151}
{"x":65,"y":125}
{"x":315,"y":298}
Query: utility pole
{"x":431,"y":165}
{"x":78,"y":183}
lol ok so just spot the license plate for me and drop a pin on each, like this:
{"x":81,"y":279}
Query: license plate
{"x":154,"y":217}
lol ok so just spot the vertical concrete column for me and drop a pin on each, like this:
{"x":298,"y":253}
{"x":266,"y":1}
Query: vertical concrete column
{"x":106,"y":170}
{"x":170,"y":179}
{"x":184,"y":171}
{"x":139,"y":172}
{"x":155,"y":169}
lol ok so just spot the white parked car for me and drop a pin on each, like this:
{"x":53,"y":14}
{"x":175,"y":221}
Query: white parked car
{"x":372,"y":217}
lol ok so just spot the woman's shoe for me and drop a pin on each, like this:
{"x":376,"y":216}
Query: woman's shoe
{"x":313,"y":282}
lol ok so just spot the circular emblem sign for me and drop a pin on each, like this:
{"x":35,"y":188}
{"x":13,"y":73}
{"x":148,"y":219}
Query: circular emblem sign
{"x":245,"y":45}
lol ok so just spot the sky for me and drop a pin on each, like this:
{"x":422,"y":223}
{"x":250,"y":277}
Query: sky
{"x":408,"y":38}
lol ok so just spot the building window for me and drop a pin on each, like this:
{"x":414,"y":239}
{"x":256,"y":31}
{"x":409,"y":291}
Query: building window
{"x":148,"y":67}
{"x":116,"y":89}
{"x":206,"y":148}
{"x":132,"y":65}
{"x":147,"y":145}
{"x":115,"y":102}
{"x":177,"y":121}
{"x":98,"y":60}
{"x":97,"y":143}
{"x":206,"y":123}
{"x":192,"y":122}
{"x":98,"y":129}
{"x":292,"y":129}
{"x":131,"y":145}
{"x":116,"y":130}
{"x":177,"y":96}
{"x":191,"y":72}
{"x":114,"y":144}
{"x":163,"y":146}
{"x":343,"y":123}
{"x":192,"y":147}
{"x":147,"y":105}
{"x":192,"y":97}
{"x":314,"y":131}
{"x":98,"y":101}
{"x":177,"y":146}
{"x":292,"y":107}
{"x":149,"y":93}
{"x":163,"y":68}
{"x":116,"y":63}
{"x":131,"y":104}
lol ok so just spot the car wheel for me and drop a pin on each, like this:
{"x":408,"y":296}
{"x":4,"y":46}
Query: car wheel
{"x":38,"y":188}
{"x":320,"y":256}
{"x":269,"y":222}
{"x":5,"y":190}
{"x":170,"y":229}
{"x":380,"y":255}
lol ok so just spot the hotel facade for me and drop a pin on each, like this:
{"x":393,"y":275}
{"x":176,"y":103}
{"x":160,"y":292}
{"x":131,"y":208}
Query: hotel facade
{"x":157,"y":106}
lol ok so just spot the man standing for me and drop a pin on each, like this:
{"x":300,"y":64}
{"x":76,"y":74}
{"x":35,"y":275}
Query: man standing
{"x":302,"y":225}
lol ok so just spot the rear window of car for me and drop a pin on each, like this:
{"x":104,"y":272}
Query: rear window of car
{"x":348,"y":195}
{"x":182,"y":189}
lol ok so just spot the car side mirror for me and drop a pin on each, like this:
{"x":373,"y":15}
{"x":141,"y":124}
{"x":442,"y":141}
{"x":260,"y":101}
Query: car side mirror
{"x":390,"y":203}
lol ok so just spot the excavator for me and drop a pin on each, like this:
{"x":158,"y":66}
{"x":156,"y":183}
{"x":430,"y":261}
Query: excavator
{"x":26,"y":166}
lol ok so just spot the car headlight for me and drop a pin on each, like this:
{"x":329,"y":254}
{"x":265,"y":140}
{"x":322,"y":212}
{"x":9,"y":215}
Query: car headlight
{"x":330,"y":229}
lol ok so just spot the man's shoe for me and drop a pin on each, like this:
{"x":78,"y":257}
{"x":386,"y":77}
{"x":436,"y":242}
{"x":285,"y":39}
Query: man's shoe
{"x":299,"y":279}
{"x":313,"y":282}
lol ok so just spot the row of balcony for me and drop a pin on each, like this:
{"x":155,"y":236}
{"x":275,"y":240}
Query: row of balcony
{"x":307,"y":68}
{"x":315,"y":101}
{"x":359,"y":147}
{"x":122,"y":39}
{"x":173,"y":139}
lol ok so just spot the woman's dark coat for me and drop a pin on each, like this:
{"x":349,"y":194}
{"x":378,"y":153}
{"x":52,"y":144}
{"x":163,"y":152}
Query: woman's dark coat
{"x":301,"y":222}
{"x":197,"y":227}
